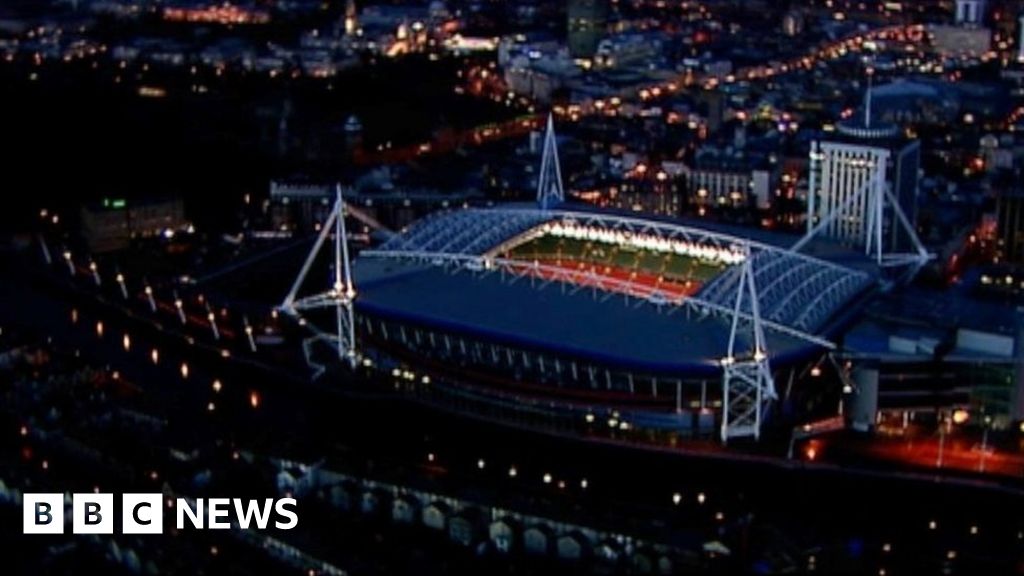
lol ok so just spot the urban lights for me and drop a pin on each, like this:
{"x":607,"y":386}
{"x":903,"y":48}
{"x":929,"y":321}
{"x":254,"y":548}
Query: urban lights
{"x":961,"y":416}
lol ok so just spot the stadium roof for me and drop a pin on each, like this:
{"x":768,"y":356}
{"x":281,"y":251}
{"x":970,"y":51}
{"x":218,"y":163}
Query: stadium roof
{"x":447,"y":270}
{"x":607,"y":329}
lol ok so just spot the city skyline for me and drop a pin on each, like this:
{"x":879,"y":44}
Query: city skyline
{"x":587,"y":286}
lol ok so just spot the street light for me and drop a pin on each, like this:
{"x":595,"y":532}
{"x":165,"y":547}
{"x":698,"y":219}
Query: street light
{"x":212,"y":318}
{"x":120,"y":282}
{"x":961,"y":416}
{"x":984,"y":442}
{"x":180,"y":306}
{"x":149,"y":297}
{"x":248,"y":333}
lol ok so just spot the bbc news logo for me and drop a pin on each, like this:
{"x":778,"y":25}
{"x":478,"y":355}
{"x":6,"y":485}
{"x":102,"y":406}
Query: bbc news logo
{"x":144,"y":513}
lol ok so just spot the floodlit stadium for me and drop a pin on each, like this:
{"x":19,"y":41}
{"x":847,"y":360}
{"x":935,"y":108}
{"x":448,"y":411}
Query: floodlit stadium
{"x":599,"y":308}
{"x":593,"y":308}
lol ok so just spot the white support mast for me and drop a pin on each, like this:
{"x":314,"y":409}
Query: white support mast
{"x":549,"y":182}
{"x":857,"y":203}
{"x":747,"y":384}
{"x":340,"y":297}
{"x":877,"y":199}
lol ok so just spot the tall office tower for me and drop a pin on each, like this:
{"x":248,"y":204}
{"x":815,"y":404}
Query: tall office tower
{"x":1020,"y":38}
{"x":970,"y":11}
{"x":1011,"y":227}
{"x":587,"y":20}
{"x":850,"y":174}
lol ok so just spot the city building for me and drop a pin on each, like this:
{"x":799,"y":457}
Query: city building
{"x":967,"y":41}
{"x":1011,"y":227}
{"x":628,"y":50}
{"x":113,"y":223}
{"x":968,"y":36}
{"x":1020,"y":38}
{"x":970,"y":12}
{"x":587,"y":21}
{"x":849,"y":167}
{"x":980,"y":346}
{"x":729,"y":179}
{"x":535,"y":68}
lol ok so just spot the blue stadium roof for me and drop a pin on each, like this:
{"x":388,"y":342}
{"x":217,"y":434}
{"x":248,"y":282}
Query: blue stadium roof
{"x":631,"y":334}
{"x":441,"y":272}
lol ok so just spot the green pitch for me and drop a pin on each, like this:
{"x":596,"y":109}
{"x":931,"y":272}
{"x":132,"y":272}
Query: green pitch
{"x":673,"y":267}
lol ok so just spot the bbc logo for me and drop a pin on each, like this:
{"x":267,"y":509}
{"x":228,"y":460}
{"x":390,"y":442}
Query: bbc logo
{"x":92,"y":513}
{"x":143,"y":513}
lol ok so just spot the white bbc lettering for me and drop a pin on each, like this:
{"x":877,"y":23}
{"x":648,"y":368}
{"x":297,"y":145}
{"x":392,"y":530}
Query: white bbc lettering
{"x":92,"y":513}
{"x":142,"y":514}
{"x":42,"y":513}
